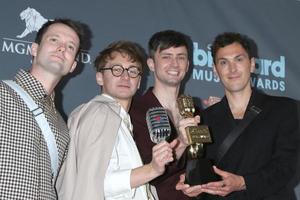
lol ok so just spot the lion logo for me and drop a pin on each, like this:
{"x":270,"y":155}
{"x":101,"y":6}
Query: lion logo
{"x":33,"y":20}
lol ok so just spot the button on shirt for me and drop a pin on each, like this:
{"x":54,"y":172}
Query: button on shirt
{"x":25,"y":166}
{"x":124,"y":158}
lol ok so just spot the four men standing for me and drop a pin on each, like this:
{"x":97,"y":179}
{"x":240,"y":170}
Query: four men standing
{"x":104,"y":162}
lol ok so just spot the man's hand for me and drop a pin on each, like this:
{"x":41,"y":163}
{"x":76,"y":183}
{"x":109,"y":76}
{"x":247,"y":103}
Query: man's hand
{"x":182,"y":137}
{"x":211,"y":101}
{"x":183,"y":123}
{"x":191,"y":191}
{"x":230,"y":183}
{"x":162,"y":154}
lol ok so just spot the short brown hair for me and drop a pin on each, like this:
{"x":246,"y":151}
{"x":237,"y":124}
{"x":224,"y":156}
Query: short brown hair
{"x":166,"y":39}
{"x":75,"y":25}
{"x":134,"y":51}
{"x":227,"y":38}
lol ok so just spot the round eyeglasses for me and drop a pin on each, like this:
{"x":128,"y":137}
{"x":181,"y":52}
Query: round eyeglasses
{"x":118,"y":70}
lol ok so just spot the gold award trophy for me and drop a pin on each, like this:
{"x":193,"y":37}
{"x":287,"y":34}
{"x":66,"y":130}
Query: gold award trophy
{"x":198,"y":170}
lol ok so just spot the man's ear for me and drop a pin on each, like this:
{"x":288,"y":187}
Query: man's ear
{"x":139,"y":83}
{"x":150,"y":63}
{"x":215,"y":71}
{"x":99,"y":78}
{"x":34,"y":49}
{"x":73,"y":66}
{"x":252,"y":62}
{"x":188,"y":66}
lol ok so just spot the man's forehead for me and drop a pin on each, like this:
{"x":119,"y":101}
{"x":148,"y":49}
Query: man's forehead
{"x":234,"y":49}
{"x":171,"y":50}
{"x":122,"y":57}
{"x":62,"y":29}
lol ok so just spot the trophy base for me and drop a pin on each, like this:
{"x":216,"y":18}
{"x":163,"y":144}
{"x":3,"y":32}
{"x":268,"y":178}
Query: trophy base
{"x":199,"y":171}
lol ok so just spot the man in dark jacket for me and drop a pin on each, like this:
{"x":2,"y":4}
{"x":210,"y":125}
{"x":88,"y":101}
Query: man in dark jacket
{"x":262,"y":159}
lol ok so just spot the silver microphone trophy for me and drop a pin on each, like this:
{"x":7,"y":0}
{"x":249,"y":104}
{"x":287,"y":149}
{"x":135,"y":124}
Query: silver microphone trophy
{"x":198,"y":169}
{"x":158,"y":124}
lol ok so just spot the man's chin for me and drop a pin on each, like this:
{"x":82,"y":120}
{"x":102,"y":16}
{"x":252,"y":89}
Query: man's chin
{"x":124,"y":96}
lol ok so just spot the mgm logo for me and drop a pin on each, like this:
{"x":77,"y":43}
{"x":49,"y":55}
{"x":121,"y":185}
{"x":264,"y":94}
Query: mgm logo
{"x":33,"y":22}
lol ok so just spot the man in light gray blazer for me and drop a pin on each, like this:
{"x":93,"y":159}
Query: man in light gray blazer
{"x":103,"y":161}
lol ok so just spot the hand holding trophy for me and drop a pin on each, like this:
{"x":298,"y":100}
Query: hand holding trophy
{"x":198,"y":170}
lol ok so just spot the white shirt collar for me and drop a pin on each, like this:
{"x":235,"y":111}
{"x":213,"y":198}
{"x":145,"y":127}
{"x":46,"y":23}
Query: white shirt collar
{"x":123,"y":114}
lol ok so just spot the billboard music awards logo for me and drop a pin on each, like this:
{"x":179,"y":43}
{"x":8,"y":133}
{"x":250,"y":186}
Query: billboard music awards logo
{"x":33,"y":21}
{"x":270,"y":73}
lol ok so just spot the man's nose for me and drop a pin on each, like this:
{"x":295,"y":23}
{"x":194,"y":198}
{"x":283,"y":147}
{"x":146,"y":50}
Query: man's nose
{"x":175,"y":62}
{"x":125,"y":74}
{"x":61,"y":48}
{"x":232,"y":67}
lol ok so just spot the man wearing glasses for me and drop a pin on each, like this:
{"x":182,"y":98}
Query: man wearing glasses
{"x":103,"y":161}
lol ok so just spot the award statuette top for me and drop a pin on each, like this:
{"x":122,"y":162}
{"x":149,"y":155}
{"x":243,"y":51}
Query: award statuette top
{"x":198,"y":170}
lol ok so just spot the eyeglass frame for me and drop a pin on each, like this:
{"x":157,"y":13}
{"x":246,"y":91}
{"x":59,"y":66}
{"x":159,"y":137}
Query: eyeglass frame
{"x":123,"y":69}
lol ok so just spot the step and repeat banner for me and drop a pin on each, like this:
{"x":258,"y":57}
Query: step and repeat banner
{"x":273,"y":25}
